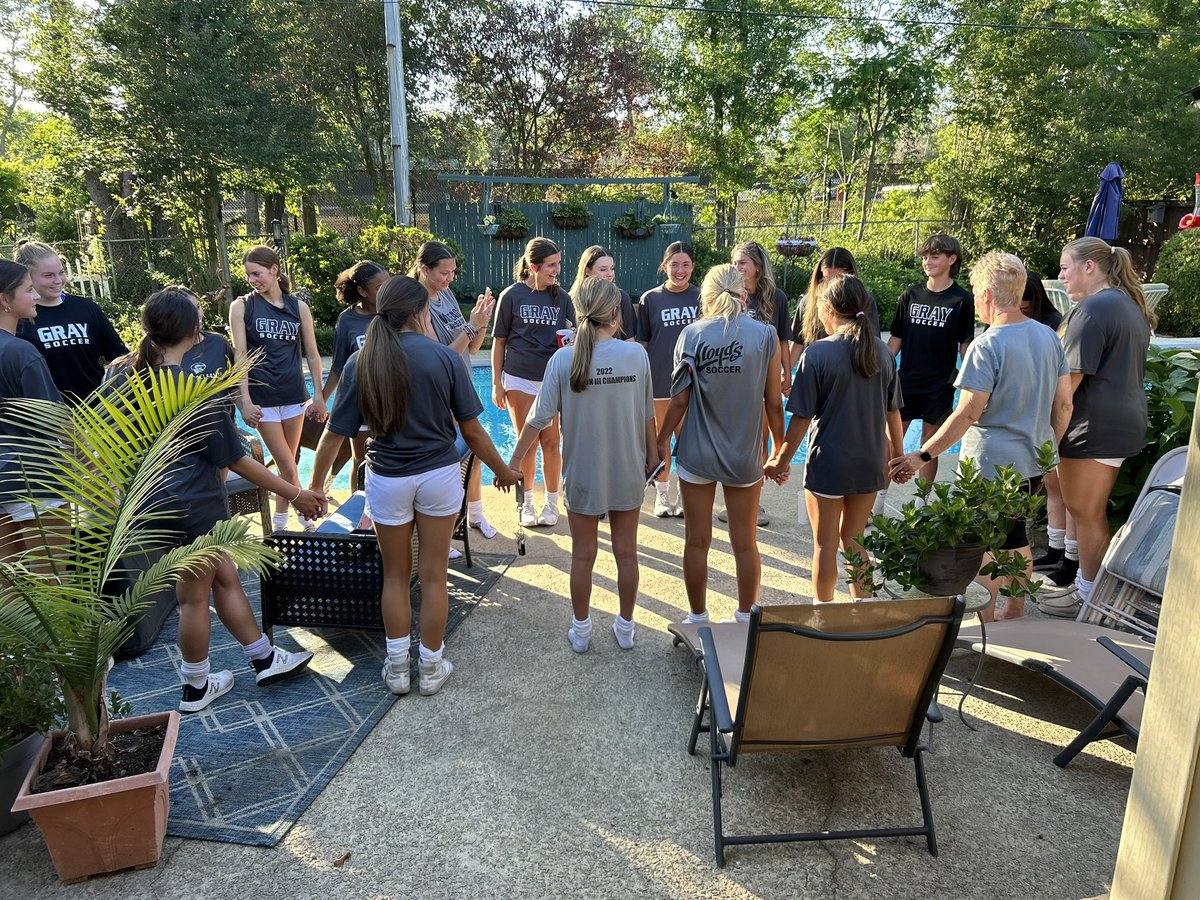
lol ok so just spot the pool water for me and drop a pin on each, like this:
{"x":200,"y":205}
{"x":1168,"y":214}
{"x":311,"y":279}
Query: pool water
{"x":497,"y":424}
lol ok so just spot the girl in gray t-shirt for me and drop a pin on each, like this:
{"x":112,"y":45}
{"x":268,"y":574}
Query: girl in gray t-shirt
{"x":601,"y":388}
{"x":847,"y":383}
{"x":726,"y":377}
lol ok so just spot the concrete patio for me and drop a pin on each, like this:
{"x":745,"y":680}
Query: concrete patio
{"x":540,"y":773}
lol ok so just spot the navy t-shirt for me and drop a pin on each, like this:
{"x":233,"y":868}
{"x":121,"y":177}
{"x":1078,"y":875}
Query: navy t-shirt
{"x":23,"y":373}
{"x":872,"y":311}
{"x":779,"y":316}
{"x":440,"y":393}
{"x":931,"y":325}
{"x":76,"y":339}
{"x":529,"y":320}
{"x":662,"y":316}
{"x":211,"y":355}
{"x":629,"y":322}
{"x":348,"y":336}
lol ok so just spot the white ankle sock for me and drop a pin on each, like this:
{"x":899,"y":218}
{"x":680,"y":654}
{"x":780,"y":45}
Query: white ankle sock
{"x":1071,"y":548}
{"x":260,"y":649}
{"x":582,"y":627}
{"x":552,"y":499}
{"x":195,"y":674}
{"x":663,"y":487}
{"x":474,"y":510}
{"x":397,"y":648}
{"x":624,"y":624}
{"x":696,"y":618}
{"x":1083,"y":585}
{"x":1058,"y":538}
{"x":431,"y":656}
{"x":740,"y":616}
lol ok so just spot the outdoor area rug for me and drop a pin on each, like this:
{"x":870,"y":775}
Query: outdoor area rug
{"x":247,"y":767}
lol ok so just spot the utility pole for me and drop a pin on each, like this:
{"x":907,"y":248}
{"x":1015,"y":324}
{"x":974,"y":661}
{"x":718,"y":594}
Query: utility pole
{"x":395,"y":63}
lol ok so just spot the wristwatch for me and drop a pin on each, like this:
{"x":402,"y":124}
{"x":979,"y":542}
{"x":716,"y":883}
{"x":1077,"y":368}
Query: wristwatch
{"x":925,"y":457}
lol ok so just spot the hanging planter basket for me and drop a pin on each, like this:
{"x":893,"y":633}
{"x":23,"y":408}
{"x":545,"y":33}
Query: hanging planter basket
{"x":488,"y":228}
{"x":637,"y":233}
{"x":796,"y":246}
{"x":669,"y":227}
{"x":572,"y":221}
{"x":512,"y":233}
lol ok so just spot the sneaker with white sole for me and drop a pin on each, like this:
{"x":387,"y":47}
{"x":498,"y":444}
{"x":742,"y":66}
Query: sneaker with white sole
{"x":662,"y":506}
{"x":432,"y":675}
{"x":763,"y":518}
{"x":1063,"y":605}
{"x":279,"y":665}
{"x":455,"y":553}
{"x":723,"y":514}
{"x":580,"y":642}
{"x":528,"y":515}
{"x":549,"y":515}
{"x":484,"y":527}
{"x":677,"y":509}
{"x":195,"y":699}
{"x":397,"y":676}
{"x":624,"y":636}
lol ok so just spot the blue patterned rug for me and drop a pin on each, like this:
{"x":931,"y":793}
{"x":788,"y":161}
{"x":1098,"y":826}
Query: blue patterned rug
{"x":247,"y":767}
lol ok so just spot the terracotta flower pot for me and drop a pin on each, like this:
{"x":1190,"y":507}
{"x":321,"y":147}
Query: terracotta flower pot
{"x":109,"y":826}
{"x":948,"y":570}
{"x":14,"y":765}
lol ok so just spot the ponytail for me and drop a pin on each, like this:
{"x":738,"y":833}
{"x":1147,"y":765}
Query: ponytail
{"x":721,"y":294}
{"x":1117,"y":266}
{"x":351,"y":284}
{"x":262,"y":255}
{"x":429,"y":254}
{"x":597,"y":305}
{"x":168,"y":317}
{"x":383,"y":370}
{"x":766,"y":279}
{"x":847,"y":298}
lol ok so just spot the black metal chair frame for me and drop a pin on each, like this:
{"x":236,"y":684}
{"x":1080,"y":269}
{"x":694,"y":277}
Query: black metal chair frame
{"x":1108,"y":722}
{"x":725,"y":751}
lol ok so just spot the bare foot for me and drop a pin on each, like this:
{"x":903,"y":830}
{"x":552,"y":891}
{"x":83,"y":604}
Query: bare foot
{"x":1014,"y":608}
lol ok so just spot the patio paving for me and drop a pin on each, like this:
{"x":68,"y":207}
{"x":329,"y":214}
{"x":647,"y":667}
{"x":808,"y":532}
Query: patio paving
{"x":540,"y":773}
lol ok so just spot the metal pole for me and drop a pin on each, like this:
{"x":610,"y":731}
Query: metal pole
{"x":395,"y":63}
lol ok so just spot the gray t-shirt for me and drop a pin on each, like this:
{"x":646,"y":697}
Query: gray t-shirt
{"x":440,"y":394}
{"x":448,"y":321}
{"x":662,"y":315}
{"x":848,"y":443}
{"x":603,"y":427}
{"x":1105,"y":337}
{"x":779,"y":315}
{"x":23,"y":373}
{"x":872,"y":311}
{"x":277,"y":379}
{"x":726,"y":365}
{"x":529,"y":320}
{"x":348,"y":336}
{"x":1019,"y":365}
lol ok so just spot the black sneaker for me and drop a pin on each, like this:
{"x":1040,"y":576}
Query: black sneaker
{"x":1049,"y":560}
{"x":197,"y":698}
{"x":279,"y":665}
{"x":1063,"y":575}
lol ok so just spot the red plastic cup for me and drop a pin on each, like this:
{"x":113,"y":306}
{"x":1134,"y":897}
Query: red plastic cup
{"x":566,"y":337}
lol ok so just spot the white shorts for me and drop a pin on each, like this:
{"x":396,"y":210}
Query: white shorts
{"x":27,"y":512}
{"x":282,"y":413}
{"x":524,"y":385}
{"x":685,"y":475}
{"x":394,"y":500}
{"x":1115,"y":461}
{"x":826,"y":496}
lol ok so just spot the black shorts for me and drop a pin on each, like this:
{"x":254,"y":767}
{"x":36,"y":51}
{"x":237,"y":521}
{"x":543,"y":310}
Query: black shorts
{"x":1018,"y":536}
{"x":931,"y":407}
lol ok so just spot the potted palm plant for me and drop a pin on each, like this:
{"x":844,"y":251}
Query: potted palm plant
{"x":99,"y":789}
{"x":30,"y":704}
{"x":938,"y":547}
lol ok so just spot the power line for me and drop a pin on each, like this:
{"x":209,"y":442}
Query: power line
{"x":883,"y":20}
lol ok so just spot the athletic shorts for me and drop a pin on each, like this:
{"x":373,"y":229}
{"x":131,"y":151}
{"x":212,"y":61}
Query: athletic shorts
{"x":930,"y":407}
{"x":1018,"y":536}
{"x":22,"y":511}
{"x":523,"y":385}
{"x":283,"y":413}
{"x":685,"y":475}
{"x":394,"y":500}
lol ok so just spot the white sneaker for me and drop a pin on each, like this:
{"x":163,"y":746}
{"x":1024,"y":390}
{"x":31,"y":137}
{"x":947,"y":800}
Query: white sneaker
{"x":624,"y":637}
{"x":880,"y":503}
{"x":484,"y":527}
{"x":528,"y":515}
{"x":1062,"y":606}
{"x":396,"y":676}
{"x":662,"y":506}
{"x":677,"y":509}
{"x":579,"y":642}
{"x":195,"y":699}
{"x":763,"y":518}
{"x":455,"y":553}
{"x":549,"y":515}
{"x":433,"y":675}
{"x":279,"y":665}
{"x":723,"y":514}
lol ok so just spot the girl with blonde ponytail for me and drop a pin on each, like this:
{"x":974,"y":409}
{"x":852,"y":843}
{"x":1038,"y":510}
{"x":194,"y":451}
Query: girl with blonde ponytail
{"x":726,"y":381}
{"x":847,"y":383}
{"x":1105,"y":336}
{"x":602,"y":389}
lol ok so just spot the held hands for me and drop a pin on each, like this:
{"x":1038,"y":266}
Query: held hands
{"x":652,"y":464}
{"x":777,"y":470}
{"x":251,"y":413}
{"x":785,"y":384}
{"x":316,"y":410}
{"x":311,"y":504}
{"x":507,"y":477}
{"x":903,"y":468}
{"x":499,"y":400}
{"x":482,"y":313}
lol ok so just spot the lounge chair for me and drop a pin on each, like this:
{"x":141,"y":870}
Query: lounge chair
{"x":1154,"y":294}
{"x":1105,"y":654}
{"x":877,"y":664}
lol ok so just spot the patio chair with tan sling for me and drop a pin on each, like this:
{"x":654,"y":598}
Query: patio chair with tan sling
{"x":824,"y":677}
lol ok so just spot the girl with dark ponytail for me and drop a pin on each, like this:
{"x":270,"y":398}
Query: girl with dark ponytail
{"x":601,"y":388}
{"x":529,"y":316}
{"x":847,"y":387}
{"x":194,"y":489}
{"x":806,"y":324}
{"x":410,"y":392}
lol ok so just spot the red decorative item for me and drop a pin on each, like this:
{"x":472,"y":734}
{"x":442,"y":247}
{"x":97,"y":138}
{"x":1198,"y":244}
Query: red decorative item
{"x":805,"y":246}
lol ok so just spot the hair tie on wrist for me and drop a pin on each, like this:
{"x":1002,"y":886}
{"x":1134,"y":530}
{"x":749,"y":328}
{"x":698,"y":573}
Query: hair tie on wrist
{"x":299,"y":491}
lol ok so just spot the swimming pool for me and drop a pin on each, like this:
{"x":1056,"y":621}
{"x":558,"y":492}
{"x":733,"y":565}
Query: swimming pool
{"x":497,"y":424}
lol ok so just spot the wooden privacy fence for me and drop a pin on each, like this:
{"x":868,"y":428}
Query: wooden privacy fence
{"x":488,"y":261}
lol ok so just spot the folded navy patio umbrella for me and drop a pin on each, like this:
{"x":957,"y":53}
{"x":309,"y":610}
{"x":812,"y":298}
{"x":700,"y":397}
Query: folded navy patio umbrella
{"x":1102,"y":220}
